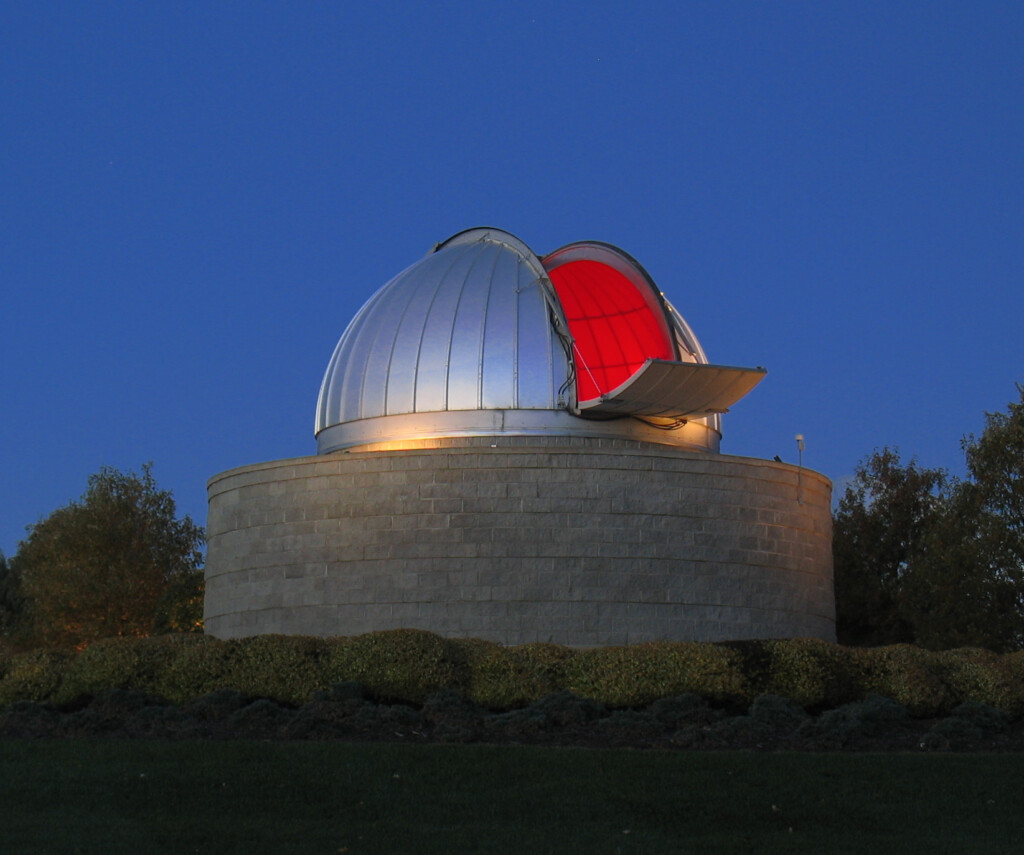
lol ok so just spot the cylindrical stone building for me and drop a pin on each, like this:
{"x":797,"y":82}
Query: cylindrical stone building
{"x":522,"y":449}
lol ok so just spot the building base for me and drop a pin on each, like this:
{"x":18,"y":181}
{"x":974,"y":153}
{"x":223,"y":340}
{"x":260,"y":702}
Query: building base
{"x":570,"y":540}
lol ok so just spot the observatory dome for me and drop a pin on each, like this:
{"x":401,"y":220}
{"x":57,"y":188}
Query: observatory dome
{"x":482,"y":337}
{"x":533,"y":459}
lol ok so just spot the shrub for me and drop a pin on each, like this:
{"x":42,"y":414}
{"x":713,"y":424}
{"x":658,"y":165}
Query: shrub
{"x":284,"y":668}
{"x":218,"y":705}
{"x":119,"y":704}
{"x":810,"y":672}
{"x":397,"y":665}
{"x":34,"y":676}
{"x":779,"y":714}
{"x":967,"y":725}
{"x":737,"y":731}
{"x":565,"y":709}
{"x":197,"y":670}
{"x":6,"y":658}
{"x":453,"y":717}
{"x":521,"y":722}
{"x":984,"y":677}
{"x":121,"y":663}
{"x":987,"y":718}
{"x":948,"y":733}
{"x":770,"y":717}
{"x":1011,"y":667}
{"x":631,"y":724}
{"x":408,"y":666}
{"x":685,"y":709}
{"x":639,"y":674}
{"x":836,"y":728}
{"x":287,"y":669}
{"x":262,"y":718}
{"x":909,"y":675}
{"x":510,"y":677}
{"x":342,"y":693}
{"x":26,"y":719}
{"x":447,"y":704}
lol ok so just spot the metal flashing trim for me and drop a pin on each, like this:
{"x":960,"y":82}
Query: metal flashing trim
{"x":695,"y":435}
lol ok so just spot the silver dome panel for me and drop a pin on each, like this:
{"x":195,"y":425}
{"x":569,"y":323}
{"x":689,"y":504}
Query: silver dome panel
{"x":466,"y":328}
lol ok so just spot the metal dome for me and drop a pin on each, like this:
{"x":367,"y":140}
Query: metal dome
{"x":482,"y":337}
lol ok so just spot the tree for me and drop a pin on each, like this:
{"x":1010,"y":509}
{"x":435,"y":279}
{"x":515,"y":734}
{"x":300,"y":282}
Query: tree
{"x":11,"y":602}
{"x":937,"y":562}
{"x":957,"y":594}
{"x":111,"y":564}
{"x":988,"y":514}
{"x":885,"y":515}
{"x":996,"y":463}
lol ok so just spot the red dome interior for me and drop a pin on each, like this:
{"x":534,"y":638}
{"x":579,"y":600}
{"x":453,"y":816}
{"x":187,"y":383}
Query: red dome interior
{"x":615,"y":324}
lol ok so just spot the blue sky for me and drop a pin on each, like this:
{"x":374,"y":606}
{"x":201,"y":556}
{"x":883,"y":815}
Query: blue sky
{"x":195,"y":198}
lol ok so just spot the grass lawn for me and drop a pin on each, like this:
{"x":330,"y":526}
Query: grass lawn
{"x":76,"y":796}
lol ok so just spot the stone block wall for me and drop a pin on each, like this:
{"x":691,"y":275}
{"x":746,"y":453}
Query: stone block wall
{"x":575,"y":541}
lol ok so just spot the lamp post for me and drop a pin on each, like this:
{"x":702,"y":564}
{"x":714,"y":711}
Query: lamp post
{"x":800,"y":468}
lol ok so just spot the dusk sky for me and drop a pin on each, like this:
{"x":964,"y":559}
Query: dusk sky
{"x":196,"y":198}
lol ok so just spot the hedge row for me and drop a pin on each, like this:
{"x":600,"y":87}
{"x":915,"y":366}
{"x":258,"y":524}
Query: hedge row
{"x":407,"y":666}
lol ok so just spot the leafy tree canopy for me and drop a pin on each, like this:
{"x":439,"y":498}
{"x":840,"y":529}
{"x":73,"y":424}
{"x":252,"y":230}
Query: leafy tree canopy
{"x":996,"y":463}
{"x":11,"y":603}
{"x":117,"y":562}
{"x":880,"y":526}
{"x":926,"y":559}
